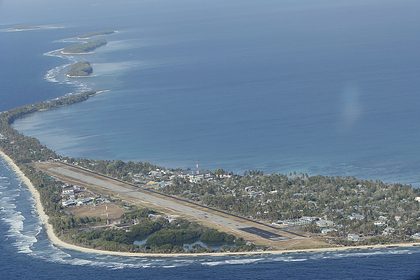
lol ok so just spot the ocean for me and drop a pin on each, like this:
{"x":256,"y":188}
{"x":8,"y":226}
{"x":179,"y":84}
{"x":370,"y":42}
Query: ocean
{"x":325,"y":87}
{"x":328,"y":88}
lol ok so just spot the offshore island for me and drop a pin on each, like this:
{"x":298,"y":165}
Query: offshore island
{"x":84,"y":48}
{"x":138,"y":208}
{"x":80,"y":69}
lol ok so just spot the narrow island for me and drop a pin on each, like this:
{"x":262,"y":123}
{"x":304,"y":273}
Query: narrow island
{"x":80,"y":69}
{"x":84,"y":48}
{"x":143,"y":209}
{"x":94,"y":34}
{"x":140,"y":209}
{"x":25,"y":27}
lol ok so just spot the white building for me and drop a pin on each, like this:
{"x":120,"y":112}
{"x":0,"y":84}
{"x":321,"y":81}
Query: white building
{"x":416,"y":236}
{"x":83,"y":201}
{"x":195,"y":178}
{"x":388,"y":231}
{"x":379,"y":223}
{"x":327,"y":230}
{"x":324,"y":223}
{"x":353,"y":237}
{"x":68,"y":192}
{"x":69,"y":202}
{"x":357,"y":217}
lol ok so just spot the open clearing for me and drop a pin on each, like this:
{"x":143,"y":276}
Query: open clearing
{"x":105,"y":211}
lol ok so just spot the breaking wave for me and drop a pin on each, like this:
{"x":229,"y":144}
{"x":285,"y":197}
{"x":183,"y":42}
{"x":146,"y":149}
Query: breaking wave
{"x":22,"y":232}
{"x":58,"y":74}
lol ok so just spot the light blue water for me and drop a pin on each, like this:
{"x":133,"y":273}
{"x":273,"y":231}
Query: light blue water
{"x":275,"y":85}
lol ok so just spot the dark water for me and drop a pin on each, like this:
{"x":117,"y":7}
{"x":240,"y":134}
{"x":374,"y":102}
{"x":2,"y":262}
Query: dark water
{"x":322,"y":86}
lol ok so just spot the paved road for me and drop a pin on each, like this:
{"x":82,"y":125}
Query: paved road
{"x":260,"y":234}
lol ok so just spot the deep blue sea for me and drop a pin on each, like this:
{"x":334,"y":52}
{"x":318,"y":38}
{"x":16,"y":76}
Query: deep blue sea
{"x":319,"y":86}
{"x":325,"y":87}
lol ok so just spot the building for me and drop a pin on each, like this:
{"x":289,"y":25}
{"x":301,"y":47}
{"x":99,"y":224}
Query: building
{"x":327,"y":230}
{"x":324,"y":223}
{"x":156,"y":174}
{"x":68,"y":192}
{"x":195,"y":178}
{"x":379,"y":223}
{"x":354,"y":237}
{"x":355,"y":216}
{"x":67,"y":203}
{"x":83,"y":201}
{"x":388,"y":231}
{"x":416,"y":236}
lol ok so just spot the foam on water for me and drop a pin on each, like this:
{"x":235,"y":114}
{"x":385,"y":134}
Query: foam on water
{"x":22,"y":232}
{"x":58,"y":73}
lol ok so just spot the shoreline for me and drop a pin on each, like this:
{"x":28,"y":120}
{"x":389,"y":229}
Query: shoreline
{"x":71,"y":76}
{"x":56,"y":241}
{"x":82,"y":53}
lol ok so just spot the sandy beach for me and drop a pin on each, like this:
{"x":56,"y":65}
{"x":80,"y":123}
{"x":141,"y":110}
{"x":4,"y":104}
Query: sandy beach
{"x":59,"y":243}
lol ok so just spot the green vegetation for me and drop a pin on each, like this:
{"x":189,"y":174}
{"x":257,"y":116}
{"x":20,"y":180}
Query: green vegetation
{"x":159,"y":233}
{"x":115,"y":168}
{"x":162,"y":233}
{"x":334,"y":207}
{"x":80,"y":69}
{"x":376,"y":211}
{"x":23,"y":149}
{"x":84,"y":47}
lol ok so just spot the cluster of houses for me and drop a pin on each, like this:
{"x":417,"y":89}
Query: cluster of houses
{"x":73,"y":195}
{"x":253,"y":191}
{"x":382,"y":222}
{"x":327,"y":226}
{"x":161,"y":178}
{"x":303,"y":221}
{"x":416,"y":236}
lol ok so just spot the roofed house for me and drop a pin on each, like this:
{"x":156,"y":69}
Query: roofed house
{"x":416,"y":236}
{"x":353,"y":237}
